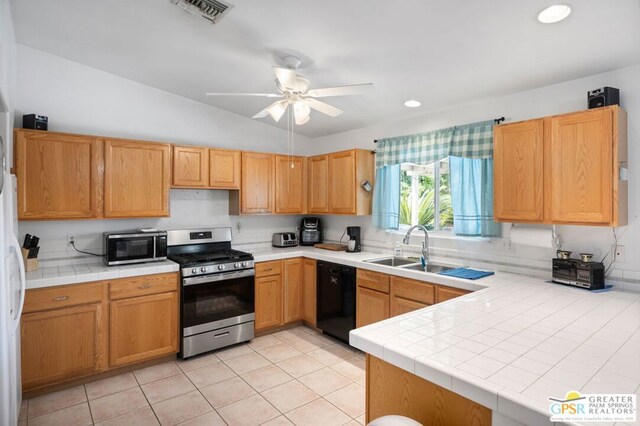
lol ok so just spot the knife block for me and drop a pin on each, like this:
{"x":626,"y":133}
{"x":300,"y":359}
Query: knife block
{"x":29,"y":264}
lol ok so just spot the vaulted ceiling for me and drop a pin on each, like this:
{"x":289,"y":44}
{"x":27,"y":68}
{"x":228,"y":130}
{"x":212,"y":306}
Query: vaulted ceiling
{"x":440,"y":52}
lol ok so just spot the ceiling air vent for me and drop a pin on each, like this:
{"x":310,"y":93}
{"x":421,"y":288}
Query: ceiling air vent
{"x":211,"y":10}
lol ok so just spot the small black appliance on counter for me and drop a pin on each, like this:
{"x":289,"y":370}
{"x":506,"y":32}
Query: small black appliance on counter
{"x":35,"y":121}
{"x":310,"y":231}
{"x":578,"y":273}
{"x":354,"y":235}
{"x":604,"y":96}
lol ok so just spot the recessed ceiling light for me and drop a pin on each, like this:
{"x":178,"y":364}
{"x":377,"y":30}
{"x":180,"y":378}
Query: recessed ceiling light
{"x":553,"y":14}
{"x":412,"y":103}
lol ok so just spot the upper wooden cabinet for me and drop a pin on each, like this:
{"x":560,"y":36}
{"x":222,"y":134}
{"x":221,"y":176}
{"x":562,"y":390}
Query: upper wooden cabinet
{"x":518,"y":171}
{"x":335,"y":182}
{"x":137,"y":178}
{"x":224,"y":168}
{"x":190,"y":167}
{"x":562,"y":169}
{"x":290,"y":184}
{"x":318,"y":184}
{"x":200,"y":167}
{"x":257,"y":188}
{"x":60,"y":176}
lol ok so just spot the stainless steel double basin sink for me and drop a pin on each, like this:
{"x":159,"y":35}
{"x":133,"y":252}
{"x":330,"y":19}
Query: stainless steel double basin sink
{"x":411,"y":263}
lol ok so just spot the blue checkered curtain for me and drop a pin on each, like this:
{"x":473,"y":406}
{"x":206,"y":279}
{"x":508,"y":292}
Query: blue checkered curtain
{"x":420,"y":148}
{"x":473,"y":140}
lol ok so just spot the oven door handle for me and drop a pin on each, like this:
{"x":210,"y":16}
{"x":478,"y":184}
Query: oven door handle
{"x":218,"y":277}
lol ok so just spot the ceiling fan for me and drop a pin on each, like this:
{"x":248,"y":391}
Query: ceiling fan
{"x":294,"y":91}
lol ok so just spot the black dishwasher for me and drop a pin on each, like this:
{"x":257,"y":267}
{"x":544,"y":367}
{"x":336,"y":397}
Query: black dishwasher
{"x":336,"y":302}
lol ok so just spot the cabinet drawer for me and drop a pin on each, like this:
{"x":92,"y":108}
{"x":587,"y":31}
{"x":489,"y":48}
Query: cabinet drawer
{"x":413,"y":290}
{"x":143,"y":285}
{"x":447,"y":293}
{"x":43,"y":299}
{"x":265,"y":269}
{"x":373,"y":280}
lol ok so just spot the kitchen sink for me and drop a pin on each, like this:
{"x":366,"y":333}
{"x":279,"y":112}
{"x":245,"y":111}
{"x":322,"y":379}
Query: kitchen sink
{"x":431,"y":267}
{"x":412,"y":263}
{"x":395,"y":261}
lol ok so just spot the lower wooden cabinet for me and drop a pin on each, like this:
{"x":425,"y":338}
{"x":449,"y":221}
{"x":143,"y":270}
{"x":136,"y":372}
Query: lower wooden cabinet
{"x":408,"y":295}
{"x":77,"y":330}
{"x":143,"y":327}
{"x":372,"y":306}
{"x":292,"y":290}
{"x":268,"y":301}
{"x":309,"y":293}
{"x":62,"y":344}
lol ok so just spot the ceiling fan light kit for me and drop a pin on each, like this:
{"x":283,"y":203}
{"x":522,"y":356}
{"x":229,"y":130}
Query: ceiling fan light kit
{"x":294,"y":89}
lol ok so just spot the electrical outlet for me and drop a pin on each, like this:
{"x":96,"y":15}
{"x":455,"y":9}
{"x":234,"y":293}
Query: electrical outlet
{"x":619,"y":254}
{"x":71,"y":239}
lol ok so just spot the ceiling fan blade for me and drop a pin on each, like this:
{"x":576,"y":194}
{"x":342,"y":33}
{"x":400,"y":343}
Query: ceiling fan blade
{"x":265,"y":95}
{"x":352,"y":89}
{"x":323,"y":107}
{"x":286,"y":78}
{"x":275,"y":110}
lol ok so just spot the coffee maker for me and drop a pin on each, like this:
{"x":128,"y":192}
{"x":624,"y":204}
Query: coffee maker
{"x":354,"y":235}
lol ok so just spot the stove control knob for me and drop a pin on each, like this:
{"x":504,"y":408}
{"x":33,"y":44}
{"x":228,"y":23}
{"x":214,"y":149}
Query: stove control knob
{"x":194,"y":271}
{"x":244,"y":264}
{"x":221,"y":267}
{"x":203,"y":269}
{"x":236,"y":265}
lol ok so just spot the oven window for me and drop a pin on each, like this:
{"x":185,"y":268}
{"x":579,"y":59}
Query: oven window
{"x":207,"y":302}
{"x":130,"y":248}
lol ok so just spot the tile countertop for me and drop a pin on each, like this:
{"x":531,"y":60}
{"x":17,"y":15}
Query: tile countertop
{"x":509,"y":345}
{"x":81,"y":273}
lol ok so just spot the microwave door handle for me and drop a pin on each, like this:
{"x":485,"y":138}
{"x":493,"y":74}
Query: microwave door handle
{"x":154,"y":246}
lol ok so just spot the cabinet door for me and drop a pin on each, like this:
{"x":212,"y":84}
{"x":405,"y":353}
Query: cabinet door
{"x":444,"y":293}
{"x":400,"y":305}
{"x":268,"y":301}
{"x":309,"y":290}
{"x":61,"y":344}
{"x":190,"y":167}
{"x":342,"y":177}
{"x":143,"y":328}
{"x":518,"y":172}
{"x":257,"y":191}
{"x":224,"y":169}
{"x":292,"y":289}
{"x":137,"y":179}
{"x":581,"y":167}
{"x":318,"y":184}
{"x":59,"y":175}
{"x":372,"y":306}
{"x":290,"y":180}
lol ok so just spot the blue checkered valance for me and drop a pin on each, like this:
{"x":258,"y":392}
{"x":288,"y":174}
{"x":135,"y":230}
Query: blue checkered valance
{"x":473,"y":140}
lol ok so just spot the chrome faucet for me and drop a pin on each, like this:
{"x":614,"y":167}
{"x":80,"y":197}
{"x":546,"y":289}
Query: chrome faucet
{"x":425,"y":243}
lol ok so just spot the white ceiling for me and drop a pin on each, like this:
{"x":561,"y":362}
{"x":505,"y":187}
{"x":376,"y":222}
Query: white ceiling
{"x":440,"y":52}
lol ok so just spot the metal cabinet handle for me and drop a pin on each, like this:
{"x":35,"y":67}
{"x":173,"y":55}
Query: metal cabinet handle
{"x":60,"y":298}
{"x":268,"y":269}
{"x":143,"y":286}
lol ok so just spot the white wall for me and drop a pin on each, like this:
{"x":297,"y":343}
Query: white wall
{"x":7,"y":76}
{"x":558,"y":98}
{"x":81,"y":99}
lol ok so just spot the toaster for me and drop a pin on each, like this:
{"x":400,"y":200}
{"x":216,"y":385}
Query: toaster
{"x":284,"y":239}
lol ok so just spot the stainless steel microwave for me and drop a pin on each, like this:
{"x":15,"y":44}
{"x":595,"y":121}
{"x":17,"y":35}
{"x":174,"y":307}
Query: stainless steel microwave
{"x":125,"y":248}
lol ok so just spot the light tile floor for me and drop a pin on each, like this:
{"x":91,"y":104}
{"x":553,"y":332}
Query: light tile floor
{"x":296,"y":376}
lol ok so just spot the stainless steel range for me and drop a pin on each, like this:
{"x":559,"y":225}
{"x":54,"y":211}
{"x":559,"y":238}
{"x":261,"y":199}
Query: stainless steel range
{"x":217,"y":290}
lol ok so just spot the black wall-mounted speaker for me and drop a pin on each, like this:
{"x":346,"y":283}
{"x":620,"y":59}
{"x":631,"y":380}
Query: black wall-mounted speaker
{"x":603,"y":96}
